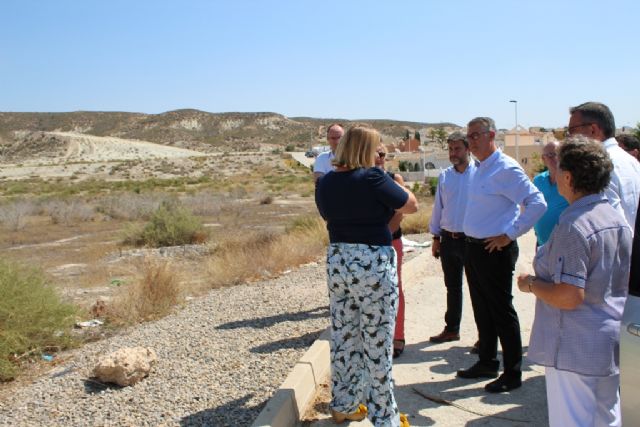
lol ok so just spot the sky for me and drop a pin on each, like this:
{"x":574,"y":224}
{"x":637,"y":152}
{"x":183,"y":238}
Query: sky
{"x":422,"y":60}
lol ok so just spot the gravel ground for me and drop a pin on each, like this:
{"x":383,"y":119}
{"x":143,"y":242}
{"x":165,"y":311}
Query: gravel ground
{"x":219,"y":360}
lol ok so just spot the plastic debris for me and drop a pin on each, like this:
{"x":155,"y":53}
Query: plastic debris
{"x":89,"y":323}
{"x":47,"y":357}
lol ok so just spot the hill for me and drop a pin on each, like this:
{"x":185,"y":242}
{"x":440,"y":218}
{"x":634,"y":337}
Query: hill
{"x":188,"y":128}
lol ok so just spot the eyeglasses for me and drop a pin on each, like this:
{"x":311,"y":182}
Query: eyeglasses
{"x":476,"y":135}
{"x":381,"y":154}
{"x":572,"y":129}
{"x":549,"y":155}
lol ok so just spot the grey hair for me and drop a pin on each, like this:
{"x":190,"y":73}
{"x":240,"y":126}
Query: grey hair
{"x":458,"y":136}
{"x":486,"y":122}
{"x":598,"y":113}
{"x":588,"y":163}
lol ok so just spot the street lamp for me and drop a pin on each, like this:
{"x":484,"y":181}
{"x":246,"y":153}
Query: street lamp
{"x":515,"y":103}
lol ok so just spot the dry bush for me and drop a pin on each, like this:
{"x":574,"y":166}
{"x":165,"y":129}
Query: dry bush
{"x":13,"y":215}
{"x":260,"y":254}
{"x":418,"y":222}
{"x":203,"y":203}
{"x":68,"y":212}
{"x":131,"y":206}
{"x":266,"y":200}
{"x":151,"y":297}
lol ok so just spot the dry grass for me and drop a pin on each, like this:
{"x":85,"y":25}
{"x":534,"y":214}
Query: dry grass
{"x":153,"y":296}
{"x":260,"y":254}
{"x":419,"y":221}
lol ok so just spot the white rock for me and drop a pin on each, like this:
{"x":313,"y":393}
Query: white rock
{"x":126,"y":366}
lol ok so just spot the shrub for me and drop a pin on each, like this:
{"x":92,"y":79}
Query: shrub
{"x":69,"y":212}
{"x":266,"y":200}
{"x":433,"y":185}
{"x":170,"y":225}
{"x":33,"y":318}
{"x":417,"y":222}
{"x":151,"y":297}
{"x":13,"y":215}
{"x":130,"y":206}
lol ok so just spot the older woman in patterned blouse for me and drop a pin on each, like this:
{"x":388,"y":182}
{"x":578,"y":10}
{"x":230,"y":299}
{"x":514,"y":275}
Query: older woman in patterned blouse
{"x":581,"y":279}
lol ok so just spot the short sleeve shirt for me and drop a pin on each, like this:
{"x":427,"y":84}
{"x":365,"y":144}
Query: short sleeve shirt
{"x":358,"y":205}
{"x":323,"y":162}
{"x":590,"y":248}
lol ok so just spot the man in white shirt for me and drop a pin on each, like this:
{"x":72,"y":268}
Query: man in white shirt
{"x":447,"y":217}
{"x":595,"y":120}
{"x":323,"y":161}
{"x":502,"y":205}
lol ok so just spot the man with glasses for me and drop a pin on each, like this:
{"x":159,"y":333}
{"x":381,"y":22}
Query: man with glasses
{"x":595,"y":120}
{"x":546,"y":183}
{"x":502,"y":205}
{"x":323,"y":163}
{"x":446,"y":226}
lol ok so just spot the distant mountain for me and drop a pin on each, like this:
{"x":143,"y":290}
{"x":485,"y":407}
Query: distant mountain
{"x":191,"y":128}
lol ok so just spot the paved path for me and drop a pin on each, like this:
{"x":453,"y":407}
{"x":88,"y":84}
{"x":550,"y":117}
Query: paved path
{"x":429,"y":369}
{"x":302,"y":159}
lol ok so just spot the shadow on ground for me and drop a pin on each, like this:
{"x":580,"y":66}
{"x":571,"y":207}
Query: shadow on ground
{"x":304,"y":341}
{"x":265,"y":322}
{"x":528,"y":402}
{"x":231,"y":414}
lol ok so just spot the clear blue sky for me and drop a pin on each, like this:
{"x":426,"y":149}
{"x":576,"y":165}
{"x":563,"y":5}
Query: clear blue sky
{"x":407,"y":60}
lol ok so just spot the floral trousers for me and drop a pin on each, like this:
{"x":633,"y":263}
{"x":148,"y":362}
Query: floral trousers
{"x":363,"y":299}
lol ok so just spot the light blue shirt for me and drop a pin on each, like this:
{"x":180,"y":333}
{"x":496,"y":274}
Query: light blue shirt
{"x":451,"y":200}
{"x":498,"y":187}
{"x":623,"y":190}
{"x":590,"y":248}
{"x":555,"y":205}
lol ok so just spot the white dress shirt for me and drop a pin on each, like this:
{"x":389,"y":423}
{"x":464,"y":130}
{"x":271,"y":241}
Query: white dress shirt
{"x":323,"y":162}
{"x":623,"y":191}
{"x":451,"y":200}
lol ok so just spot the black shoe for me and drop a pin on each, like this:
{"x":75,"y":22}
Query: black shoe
{"x":476,"y":348}
{"x":506,"y":382}
{"x":479,"y":370}
{"x":398,"y":348}
{"x":445,"y":336}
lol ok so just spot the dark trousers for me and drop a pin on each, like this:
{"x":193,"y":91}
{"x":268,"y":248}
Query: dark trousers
{"x":490,"y":277}
{"x":452,"y":256}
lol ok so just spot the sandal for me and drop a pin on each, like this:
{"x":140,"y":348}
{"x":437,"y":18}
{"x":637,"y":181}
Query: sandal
{"x":404,"y":422}
{"x":398,"y":348}
{"x":359,"y":415}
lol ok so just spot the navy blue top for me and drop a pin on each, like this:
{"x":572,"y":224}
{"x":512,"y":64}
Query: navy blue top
{"x":358,"y":205}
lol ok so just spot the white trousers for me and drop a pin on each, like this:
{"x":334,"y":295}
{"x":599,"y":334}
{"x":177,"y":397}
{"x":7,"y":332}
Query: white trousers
{"x":582,"y":401}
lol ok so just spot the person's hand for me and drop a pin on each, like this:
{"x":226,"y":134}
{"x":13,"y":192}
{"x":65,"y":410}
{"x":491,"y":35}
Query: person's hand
{"x":435,"y":249}
{"x":524,"y":282}
{"x":497,"y":242}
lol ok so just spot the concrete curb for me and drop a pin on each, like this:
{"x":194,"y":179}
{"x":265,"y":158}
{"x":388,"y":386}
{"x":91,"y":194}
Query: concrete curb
{"x":298,"y":390}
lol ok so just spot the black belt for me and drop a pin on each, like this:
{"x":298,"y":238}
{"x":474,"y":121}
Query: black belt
{"x":470,"y":239}
{"x":452,"y":234}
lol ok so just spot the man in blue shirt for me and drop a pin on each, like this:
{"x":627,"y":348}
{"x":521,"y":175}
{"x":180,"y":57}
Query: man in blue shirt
{"x":546,"y":183}
{"x":492,"y":222}
{"x":446,"y":226}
